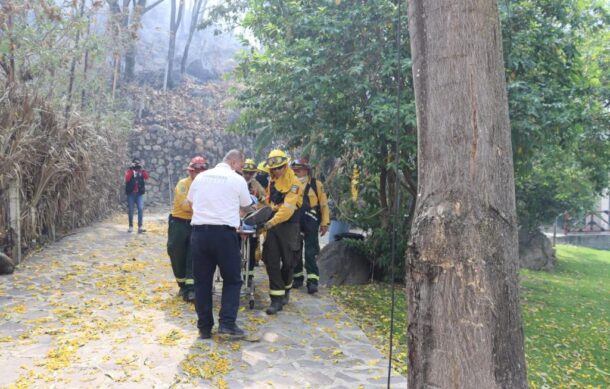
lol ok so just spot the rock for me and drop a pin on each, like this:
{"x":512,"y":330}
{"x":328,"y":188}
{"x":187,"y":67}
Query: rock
{"x":197,"y":69}
{"x":535,"y":251}
{"x":7,"y":266}
{"x":157,"y":129}
{"x":341,"y":265}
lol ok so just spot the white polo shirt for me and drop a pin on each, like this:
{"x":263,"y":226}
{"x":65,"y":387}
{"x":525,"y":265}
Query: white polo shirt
{"x":216,"y":195}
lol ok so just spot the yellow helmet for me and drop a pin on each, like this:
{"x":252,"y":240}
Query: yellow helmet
{"x":276,"y":159}
{"x":249,"y":166}
{"x":262,"y":167}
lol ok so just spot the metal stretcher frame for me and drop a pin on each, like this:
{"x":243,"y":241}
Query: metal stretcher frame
{"x":247,"y":287}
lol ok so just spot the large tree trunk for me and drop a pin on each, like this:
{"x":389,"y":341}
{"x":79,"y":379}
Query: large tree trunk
{"x":465,"y":327}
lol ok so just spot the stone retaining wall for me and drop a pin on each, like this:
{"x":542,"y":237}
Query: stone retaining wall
{"x":166,"y":154}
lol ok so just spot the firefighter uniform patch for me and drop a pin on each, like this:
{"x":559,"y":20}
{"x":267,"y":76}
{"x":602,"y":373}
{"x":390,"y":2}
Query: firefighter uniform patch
{"x":294,"y":189}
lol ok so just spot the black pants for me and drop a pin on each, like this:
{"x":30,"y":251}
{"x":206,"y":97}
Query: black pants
{"x":311,"y":246}
{"x":280,"y":250}
{"x":213,"y":248}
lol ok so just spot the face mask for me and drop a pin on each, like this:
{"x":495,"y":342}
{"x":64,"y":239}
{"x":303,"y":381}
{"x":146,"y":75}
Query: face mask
{"x":303,"y":179}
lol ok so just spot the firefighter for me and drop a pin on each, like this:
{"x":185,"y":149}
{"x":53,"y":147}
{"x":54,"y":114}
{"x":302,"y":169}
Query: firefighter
{"x":179,"y":231}
{"x":262,"y":175}
{"x":256,"y":189}
{"x":315,"y":217}
{"x":282,"y":242}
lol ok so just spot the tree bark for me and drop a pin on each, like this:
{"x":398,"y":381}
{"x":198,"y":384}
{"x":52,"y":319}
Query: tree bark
{"x":465,"y":328}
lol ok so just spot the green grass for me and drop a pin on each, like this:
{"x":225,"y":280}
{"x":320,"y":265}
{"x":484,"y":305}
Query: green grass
{"x":566,"y":317}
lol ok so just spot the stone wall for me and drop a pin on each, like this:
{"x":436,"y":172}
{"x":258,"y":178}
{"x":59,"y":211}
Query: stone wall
{"x":166,"y":154}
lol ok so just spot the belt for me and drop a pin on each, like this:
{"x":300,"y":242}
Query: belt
{"x":179,"y":219}
{"x":212,"y":227}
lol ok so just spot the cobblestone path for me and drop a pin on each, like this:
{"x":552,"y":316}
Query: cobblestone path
{"x":99,"y":309}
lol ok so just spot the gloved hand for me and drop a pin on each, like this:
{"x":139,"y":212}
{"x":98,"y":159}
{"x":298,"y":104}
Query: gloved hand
{"x":268,"y":225}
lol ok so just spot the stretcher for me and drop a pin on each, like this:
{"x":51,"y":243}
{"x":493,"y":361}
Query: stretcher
{"x":248,"y":284}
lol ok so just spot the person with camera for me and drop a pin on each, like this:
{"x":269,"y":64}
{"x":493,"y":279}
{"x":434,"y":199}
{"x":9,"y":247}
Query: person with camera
{"x":315,"y":217}
{"x":179,"y":231}
{"x":135,"y":187}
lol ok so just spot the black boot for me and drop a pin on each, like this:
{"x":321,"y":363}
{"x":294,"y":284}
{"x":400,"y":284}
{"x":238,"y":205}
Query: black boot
{"x":286,"y":297}
{"x":276,"y":305}
{"x":189,"y":295}
{"x":312,"y":288}
{"x":297,"y":283}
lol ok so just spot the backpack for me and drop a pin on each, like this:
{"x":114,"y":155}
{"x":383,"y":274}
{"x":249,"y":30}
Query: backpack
{"x":132,"y":183}
{"x":310,"y":216}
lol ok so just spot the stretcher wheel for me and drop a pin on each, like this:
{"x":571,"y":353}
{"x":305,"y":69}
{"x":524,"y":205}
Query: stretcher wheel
{"x":251,"y":304}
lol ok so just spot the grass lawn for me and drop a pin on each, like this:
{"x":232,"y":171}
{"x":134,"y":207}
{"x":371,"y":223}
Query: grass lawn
{"x":566,"y":316}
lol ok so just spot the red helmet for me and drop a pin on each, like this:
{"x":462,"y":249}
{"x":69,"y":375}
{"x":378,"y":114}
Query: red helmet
{"x":300,"y":163}
{"x":198,"y":164}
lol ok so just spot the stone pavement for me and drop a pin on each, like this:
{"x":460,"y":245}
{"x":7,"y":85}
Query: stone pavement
{"x":99,"y":309}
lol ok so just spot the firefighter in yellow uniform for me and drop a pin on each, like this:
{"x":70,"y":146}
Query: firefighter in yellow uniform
{"x":179,"y":232}
{"x":282,"y":243}
{"x":315,"y":217}
{"x":256,"y":189}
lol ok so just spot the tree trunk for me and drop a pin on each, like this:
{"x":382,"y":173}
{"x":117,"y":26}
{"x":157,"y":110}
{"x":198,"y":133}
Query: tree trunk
{"x":139,"y":9}
{"x":134,"y":27}
{"x":83,"y":94}
{"x":73,"y":67}
{"x":173,"y":27}
{"x":192,"y":28}
{"x":465,"y":328}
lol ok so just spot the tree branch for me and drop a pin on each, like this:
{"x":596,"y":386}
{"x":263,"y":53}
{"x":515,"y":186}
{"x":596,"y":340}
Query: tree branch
{"x":152,"y":6}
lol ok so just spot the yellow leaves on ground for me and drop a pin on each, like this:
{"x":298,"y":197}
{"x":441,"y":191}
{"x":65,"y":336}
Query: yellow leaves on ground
{"x":171,"y":338}
{"x":133,"y":266}
{"x":210,"y":365}
{"x":62,"y":355}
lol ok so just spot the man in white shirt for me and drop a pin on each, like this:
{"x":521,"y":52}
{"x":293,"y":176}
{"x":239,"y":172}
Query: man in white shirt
{"x":216,"y":196}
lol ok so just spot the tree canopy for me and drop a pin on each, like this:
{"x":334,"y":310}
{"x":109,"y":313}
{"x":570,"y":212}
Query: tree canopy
{"x":321,"y":78}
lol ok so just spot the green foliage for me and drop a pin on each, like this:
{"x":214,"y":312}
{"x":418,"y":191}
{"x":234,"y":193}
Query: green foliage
{"x":557,"y":72}
{"x":321,"y":79}
{"x":325,"y":85}
{"x":566,"y":316}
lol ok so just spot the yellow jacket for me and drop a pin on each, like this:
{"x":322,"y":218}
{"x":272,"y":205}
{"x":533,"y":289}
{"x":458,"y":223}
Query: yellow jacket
{"x":181,"y":207}
{"x":285,"y":196}
{"x":321,"y":199}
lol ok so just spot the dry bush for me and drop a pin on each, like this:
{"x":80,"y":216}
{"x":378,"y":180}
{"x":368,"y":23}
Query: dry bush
{"x":70,"y":175}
